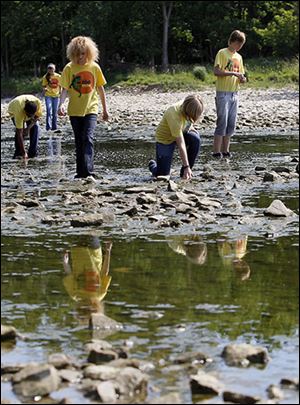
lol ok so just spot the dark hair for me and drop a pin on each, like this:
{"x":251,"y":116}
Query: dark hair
{"x":48,"y":75}
{"x":30,"y":108}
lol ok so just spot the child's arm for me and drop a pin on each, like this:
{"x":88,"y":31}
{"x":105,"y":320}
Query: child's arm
{"x":63,"y":96}
{"x":222,"y":73}
{"x":101,"y":93}
{"x":187,"y":174}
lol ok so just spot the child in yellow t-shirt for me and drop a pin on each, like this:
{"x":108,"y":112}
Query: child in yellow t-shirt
{"x":82,"y":79}
{"x":25,"y":110}
{"x":51,"y":87}
{"x":229,"y":70}
{"x":175,"y":129}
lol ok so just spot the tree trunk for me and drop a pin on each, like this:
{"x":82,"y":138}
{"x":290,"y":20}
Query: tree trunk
{"x":167,"y":9}
{"x":63,"y":47}
{"x":6,"y":63}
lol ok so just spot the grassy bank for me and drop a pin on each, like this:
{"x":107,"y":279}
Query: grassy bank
{"x":262,"y":73}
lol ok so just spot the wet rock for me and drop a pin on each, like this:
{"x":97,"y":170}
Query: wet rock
{"x":144,"y":198}
{"x":36,"y":380}
{"x":87,"y":220}
{"x":236,"y":398}
{"x":106,"y":392}
{"x":172,"y":186}
{"x":101,"y":321}
{"x":203,"y":383}
{"x":98,"y":356}
{"x":260,"y":168}
{"x":172,"y":398}
{"x":137,"y":190}
{"x":274,"y":392}
{"x":29,"y":203}
{"x":243,"y":354}
{"x":278,"y":209}
{"x":208,"y":203}
{"x":71,"y":376}
{"x":271,"y":176}
{"x":192,"y":357}
{"x":59,"y":360}
{"x":281,"y":169}
{"x":132,"y":212}
{"x":290,"y":382}
{"x":8,"y":333}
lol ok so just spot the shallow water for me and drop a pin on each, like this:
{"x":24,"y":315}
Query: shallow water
{"x":167,"y":303}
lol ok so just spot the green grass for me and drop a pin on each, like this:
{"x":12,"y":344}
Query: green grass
{"x":23,"y":85}
{"x":262,"y":73}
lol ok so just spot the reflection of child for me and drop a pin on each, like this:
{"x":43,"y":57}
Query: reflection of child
{"x":87,"y":278}
{"x":171,"y":132}
{"x":51,"y":87}
{"x":192,"y":247}
{"x":232,"y":254}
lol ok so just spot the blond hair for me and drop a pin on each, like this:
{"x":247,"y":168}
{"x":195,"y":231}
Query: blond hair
{"x":79,"y":45}
{"x":237,"y":36}
{"x":192,"y":107}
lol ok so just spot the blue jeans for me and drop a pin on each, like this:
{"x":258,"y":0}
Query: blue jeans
{"x":84,"y":128}
{"x":164,"y":154}
{"x":34,"y":134}
{"x":51,"y":107}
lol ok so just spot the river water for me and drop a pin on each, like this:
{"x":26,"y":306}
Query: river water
{"x":173,"y":290}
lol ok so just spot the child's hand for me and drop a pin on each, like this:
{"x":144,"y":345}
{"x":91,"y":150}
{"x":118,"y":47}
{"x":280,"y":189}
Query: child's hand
{"x":105,"y":116}
{"x":187,"y":174}
{"x":61,"y":111}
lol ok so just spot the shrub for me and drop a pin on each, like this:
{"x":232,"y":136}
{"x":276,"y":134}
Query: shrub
{"x":200,"y":73}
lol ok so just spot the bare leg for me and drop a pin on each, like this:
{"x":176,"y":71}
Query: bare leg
{"x":218,"y":140}
{"x":225,"y":144}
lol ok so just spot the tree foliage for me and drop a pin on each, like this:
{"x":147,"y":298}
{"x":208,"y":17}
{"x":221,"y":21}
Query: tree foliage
{"x":133,"y":32}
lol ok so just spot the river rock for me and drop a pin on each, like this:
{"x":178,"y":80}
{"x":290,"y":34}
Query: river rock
{"x":87,"y":220}
{"x":8,"y":332}
{"x":236,"y":398}
{"x":38,"y":380}
{"x":243,"y":354}
{"x":203,"y":383}
{"x":278,"y":209}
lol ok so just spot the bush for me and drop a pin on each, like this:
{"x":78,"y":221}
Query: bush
{"x":200,"y":73}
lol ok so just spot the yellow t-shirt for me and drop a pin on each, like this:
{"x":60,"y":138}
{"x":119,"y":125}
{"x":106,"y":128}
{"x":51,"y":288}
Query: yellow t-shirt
{"x":171,"y":125}
{"x":86,"y":279}
{"x":81,"y":83}
{"x":16,"y":109}
{"x":53,"y":86}
{"x":231,"y":62}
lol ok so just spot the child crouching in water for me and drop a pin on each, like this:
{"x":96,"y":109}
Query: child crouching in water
{"x":176,"y":128}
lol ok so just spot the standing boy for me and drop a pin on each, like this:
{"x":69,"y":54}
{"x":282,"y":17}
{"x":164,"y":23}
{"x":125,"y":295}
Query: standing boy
{"x":229,"y":70}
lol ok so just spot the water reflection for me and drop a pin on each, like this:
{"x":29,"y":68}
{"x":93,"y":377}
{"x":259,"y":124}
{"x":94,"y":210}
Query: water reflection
{"x":87,"y":276}
{"x":192,"y":247}
{"x":232,"y":254}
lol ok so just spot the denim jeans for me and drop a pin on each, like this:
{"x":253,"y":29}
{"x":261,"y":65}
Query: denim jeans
{"x":51,"y":107}
{"x":164,"y":154}
{"x":227,"y":107}
{"x":84,"y":128}
{"x":34,"y":134}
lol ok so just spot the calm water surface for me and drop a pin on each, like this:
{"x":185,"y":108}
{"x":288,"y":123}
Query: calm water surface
{"x":172,"y":293}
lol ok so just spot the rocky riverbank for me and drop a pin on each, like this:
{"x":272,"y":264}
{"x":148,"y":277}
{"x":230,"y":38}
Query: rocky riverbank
{"x":134,"y":108}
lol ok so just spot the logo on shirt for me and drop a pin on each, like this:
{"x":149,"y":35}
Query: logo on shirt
{"x":83,"y":82}
{"x":233,"y":65}
{"x":53,"y":83}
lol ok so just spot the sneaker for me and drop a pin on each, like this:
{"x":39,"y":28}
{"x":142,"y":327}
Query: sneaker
{"x":90,"y":179}
{"x":151,"y":165}
{"x":226,"y":155}
{"x":217,"y":155}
